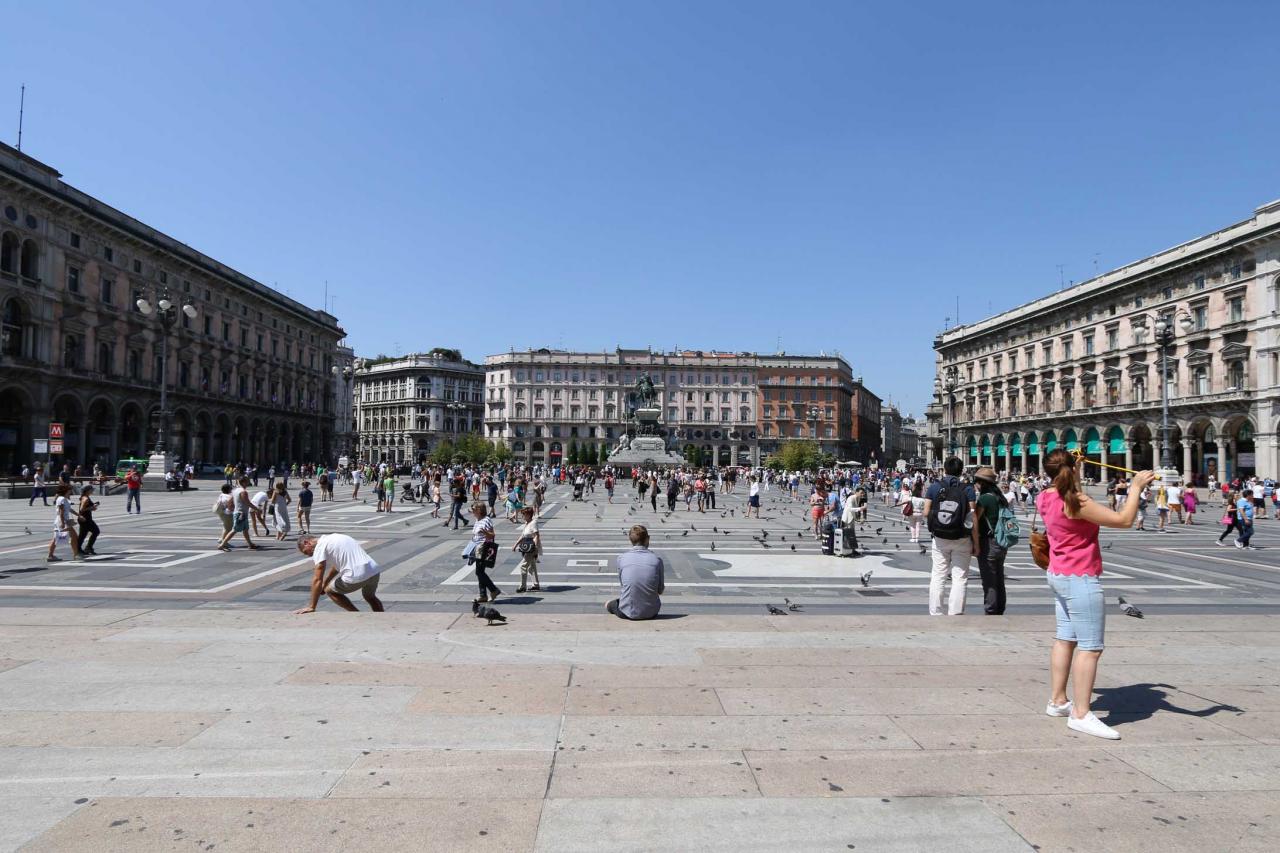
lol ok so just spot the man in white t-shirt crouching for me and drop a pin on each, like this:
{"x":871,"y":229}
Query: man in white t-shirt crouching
{"x":342,"y":567}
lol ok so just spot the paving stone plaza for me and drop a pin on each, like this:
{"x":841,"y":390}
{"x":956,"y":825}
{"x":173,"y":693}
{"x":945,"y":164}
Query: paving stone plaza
{"x":164,"y":697}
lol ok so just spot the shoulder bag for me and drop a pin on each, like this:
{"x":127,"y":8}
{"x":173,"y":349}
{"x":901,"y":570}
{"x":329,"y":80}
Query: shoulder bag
{"x":1039,"y":543}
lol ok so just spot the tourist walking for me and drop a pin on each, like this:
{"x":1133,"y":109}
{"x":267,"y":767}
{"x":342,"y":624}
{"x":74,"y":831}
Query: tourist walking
{"x":1072,"y":521}
{"x":991,"y":554}
{"x":224,"y":509}
{"x":482,"y":552}
{"x":64,"y":528}
{"x":529,"y":547}
{"x":38,"y":488}
{"x":280,"y":501}
{"x":88,"y":527}
{"x":1230,"y":517}
{"x":1245,"y":509}
{"x":305,"y":499}
{"x":949,"y":508}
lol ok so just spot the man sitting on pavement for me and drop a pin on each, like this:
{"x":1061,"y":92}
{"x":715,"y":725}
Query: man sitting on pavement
{"x":342,"y":567}
{"x":640,"y":572}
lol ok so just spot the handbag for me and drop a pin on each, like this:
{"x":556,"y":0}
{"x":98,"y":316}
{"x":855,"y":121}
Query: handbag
{"x":1039,"y":543}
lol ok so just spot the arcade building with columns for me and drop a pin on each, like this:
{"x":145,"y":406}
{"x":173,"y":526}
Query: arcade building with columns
{"x":248,"y":371}
{"x":1080,"y":368}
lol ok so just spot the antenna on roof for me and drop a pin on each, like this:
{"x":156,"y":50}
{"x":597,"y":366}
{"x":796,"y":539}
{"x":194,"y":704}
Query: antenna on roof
{"x":22,"y":104}
{"x":1060,"y":284}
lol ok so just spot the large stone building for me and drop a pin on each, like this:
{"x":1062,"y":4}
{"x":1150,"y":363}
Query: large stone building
{"x":1080,"y":368}
{"x":891,"y":434}
{"x":247,"y":368}
{"x":542,"y":402}
{"x":406,"y":406}
{"x":817,"y":397}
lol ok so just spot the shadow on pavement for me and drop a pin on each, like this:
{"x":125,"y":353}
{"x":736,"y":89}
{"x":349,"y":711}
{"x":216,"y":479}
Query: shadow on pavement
{"x":1135,"y":702}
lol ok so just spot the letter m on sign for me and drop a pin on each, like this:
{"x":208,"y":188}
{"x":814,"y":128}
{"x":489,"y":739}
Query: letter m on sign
{"x":55,"y":430}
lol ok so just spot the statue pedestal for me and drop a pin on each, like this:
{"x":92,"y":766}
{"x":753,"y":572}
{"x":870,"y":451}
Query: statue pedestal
{"x":157,"y":465}
{"x":645,"y":451}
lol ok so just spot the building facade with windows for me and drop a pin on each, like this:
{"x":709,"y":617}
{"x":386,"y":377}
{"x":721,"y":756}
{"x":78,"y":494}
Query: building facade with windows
{"x":543,"y":402}
{"x":404,"y":407}
{"x":817,"y":398}
{"x":247,"y":376}
{"x":1081,"y":368}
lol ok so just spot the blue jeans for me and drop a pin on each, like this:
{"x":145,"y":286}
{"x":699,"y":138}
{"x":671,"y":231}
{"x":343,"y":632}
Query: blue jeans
{"x":1246,"y":533}
{"x":135,"y":497}
{"x":38,"y":492}
{"x":1080,"y":608}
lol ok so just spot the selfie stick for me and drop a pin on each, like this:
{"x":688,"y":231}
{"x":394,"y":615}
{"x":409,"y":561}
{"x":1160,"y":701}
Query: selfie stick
{"x":1080,"y":457}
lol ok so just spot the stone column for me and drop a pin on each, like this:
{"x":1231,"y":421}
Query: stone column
{"x":1188,"y":444}
{"x":1024,"y":456}
{"x":1227,"y":464}
{"x":1128,"y":454}
{"x":1008,"y":456}
{"x":1106,"y":474}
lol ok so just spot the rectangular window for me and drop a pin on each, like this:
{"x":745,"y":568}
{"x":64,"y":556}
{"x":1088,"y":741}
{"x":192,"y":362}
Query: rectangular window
{"x":137,"y":266}
{"x":1199,"y":283}
{"x":75,"y":240}
{"x":73,"y":279}
{"x":1066,"y":350}
{"x":108,"y":294}
{"x":1088,"y":344}
{"x":1200,"y":317}
{"x":108,"y":253}
{"x":1113,"y":339}
{"x":1235,"y":309}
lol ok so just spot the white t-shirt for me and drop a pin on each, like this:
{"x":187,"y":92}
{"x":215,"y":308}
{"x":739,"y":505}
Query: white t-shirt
{"x":227,"y":504}
{"x":63,"y":517}
{"x":260,"y":500}
{"x":1174,"y":494}
{"x":339,"y":551}
{"x":755,"y":489}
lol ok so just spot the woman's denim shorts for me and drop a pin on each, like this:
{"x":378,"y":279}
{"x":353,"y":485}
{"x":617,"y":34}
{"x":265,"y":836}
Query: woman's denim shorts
{"x":1081,"y":609}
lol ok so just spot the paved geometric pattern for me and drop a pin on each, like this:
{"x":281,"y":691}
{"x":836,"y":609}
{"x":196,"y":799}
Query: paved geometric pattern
{"x":216,"y":729}
{"x":716,"y":561}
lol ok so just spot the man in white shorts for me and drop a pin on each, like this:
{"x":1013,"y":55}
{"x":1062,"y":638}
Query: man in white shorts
{"x":342,"y":567}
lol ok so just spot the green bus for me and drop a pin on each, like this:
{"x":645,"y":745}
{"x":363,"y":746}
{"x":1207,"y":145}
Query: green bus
{"x":123,"y":466}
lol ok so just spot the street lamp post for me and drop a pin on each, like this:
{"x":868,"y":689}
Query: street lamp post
{"x":1165,"y":340}
{"x":345,"y":373}
{"x":814,"y":414}
{"x":948,"y":383}
{"x":166,"y":315}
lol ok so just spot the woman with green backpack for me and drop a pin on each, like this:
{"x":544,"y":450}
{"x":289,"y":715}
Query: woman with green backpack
{"x":991,"y":553}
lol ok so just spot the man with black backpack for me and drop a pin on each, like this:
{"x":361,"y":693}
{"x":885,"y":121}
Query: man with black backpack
{"x":949,"y":509}
{"x":992,"y":521}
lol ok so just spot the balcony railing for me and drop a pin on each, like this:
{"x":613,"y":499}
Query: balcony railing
{"x":1105,"y":409}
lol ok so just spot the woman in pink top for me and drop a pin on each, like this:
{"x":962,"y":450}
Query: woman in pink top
{"x":1071,"y":522}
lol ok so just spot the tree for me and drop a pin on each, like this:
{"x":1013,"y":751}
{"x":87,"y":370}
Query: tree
{"x":573,"y":453}
{"x":501,"y":453}
{"x":603,"y":458}
{"x":443,"y":454}
{"x":799,"y":455}
{"x":774,"y":463}
{"x":693,"y":454}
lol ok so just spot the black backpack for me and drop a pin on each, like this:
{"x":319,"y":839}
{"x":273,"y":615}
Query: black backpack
{"x":949,"y":510}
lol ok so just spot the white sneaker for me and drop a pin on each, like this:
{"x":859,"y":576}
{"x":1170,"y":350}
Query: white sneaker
{"x":1091,"y":725}
{"x":1063,"y":710}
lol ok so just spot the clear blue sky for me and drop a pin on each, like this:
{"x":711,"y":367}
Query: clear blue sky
{"x":696,"y":174}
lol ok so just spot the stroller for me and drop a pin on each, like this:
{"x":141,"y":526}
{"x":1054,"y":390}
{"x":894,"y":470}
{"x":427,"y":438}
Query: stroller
{"x":577,"y":491}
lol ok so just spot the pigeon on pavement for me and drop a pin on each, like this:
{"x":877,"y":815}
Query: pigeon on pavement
{"x":1129,"y":610}
{"x":773,"y":611}
{"x":866,"y":578}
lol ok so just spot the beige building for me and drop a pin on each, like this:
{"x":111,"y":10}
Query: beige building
{"x":406,"y":406}
{"x":1080,"y":368}
{"x":541,"y":402}
{"x":246,"y":369}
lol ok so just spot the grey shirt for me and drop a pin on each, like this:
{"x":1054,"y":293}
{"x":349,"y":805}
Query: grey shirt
{"x":640,"y":572}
